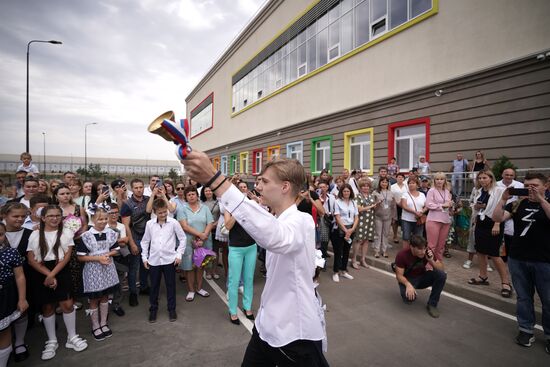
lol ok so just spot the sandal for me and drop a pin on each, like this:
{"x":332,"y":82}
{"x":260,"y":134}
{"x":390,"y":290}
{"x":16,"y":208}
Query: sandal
{"x":377,"y":255}
{"x":505,"y":292}
{"x":49,"y":350}
{"x":216,"y":276}
{"x":106,"y":331}
{"x":21,"y":356}
{"x":447,"y":254}
{"x":481,"y":281}
{"x":354,"y":265}
{"x":385,"y":255}
{"x":98,"y":334}
{"x":208,"y":276}
{"x":203,"y":293}
{"x":76,"y":343}
{"x":190,"y":296}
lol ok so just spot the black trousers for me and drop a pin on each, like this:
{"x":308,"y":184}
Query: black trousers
{"x":156,"y":272}
{"x":299,"y":353}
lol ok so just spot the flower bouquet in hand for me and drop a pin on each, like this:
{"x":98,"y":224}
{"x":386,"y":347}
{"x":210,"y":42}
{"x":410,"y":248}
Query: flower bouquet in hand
{"x":201,"y":256}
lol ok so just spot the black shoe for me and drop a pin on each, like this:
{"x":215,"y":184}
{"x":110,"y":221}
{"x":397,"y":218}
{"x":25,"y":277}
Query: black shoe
{"x":106,"y":331}
{"x":20,"y":357}
{"x":144,"y":291}
{"x":152,"y":316}
{"x":119,"y":311}
{"x":250,"y":317}
{"x":525,"y":339}
{"x":133,"y":300}
{"x":98,"y":336}
{"x":172,"y":316}
{"x":235,"y":322}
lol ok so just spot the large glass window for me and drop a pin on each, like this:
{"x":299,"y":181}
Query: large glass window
{"x":223,"y":164}
{"x":321,"y":154}
{"x":348,"y":25}
{"x":273,"y":152}
{"x":407,"y":141}
{"x":243,"y":162}
{"x":257,"y":161}
{"x":233,"y":168}
{"x":358,"y":149}
{"x":295,"y":151}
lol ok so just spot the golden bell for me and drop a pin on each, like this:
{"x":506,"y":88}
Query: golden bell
{"x":156,"y":128}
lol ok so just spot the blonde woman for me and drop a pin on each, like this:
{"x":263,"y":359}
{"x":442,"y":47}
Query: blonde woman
{"x":439,"y":202}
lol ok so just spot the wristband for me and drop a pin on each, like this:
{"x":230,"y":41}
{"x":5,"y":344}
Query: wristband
{"x":221,"y":183}
{"x":211,"y":181}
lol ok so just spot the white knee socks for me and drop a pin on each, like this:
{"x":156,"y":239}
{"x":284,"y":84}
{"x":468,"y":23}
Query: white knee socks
{"x":70,"y":323}
{"x":104,"y":310}
{"x":49,"y":325}
{"x":4,"y":356}
{"x":94,"y":317}
{"x":20,"y":328}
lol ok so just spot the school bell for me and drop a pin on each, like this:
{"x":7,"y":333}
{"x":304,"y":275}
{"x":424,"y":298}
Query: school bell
{"x":165,"y":126}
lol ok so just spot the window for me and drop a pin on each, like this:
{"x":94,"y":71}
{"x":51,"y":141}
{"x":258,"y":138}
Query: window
{"x":294,"y":151}
{"x":223,"y":164}
{"x":257,"y":161}
{"x":358,"y":150}
{"x":407,"y":140}
{"x":233,"y":164}
{"x":216,"y":163}
{"x":202,"y":116}
{"x":319,"y":38}
{"x":321,"y":154}
{"x":243,"y":162}
{"x":273,"y":152}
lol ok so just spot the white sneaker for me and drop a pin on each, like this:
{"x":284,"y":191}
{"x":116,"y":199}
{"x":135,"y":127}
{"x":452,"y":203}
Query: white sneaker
{"x":489,"y":268}
{"x":76,"y":343}
{"x":335,"y":277}
{"x":347,"y":275}
{"x":467,"y":264}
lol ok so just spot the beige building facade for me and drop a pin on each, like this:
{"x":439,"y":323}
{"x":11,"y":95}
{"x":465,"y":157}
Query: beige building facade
{"x":354,"y":83}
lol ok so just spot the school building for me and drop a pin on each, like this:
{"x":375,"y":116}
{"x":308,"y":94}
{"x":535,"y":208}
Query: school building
{"x":352,"y":83}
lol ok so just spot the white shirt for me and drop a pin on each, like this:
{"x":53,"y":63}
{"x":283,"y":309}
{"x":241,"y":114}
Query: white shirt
{"x":66,"y":241}
{"x":495,"y":194}
{"x":347,"y":211}
{"x":158,"y":245}
{"x":509,"y":224}
{"x":288,"y":310}
{"x":398,"y":191}
{"x":29,"y":224}
{"x":25,"y":202}
{"x":419,"y":201}
{"x":147,"y":191}
{"x":354,"y":186}
{"x":14,"y":238}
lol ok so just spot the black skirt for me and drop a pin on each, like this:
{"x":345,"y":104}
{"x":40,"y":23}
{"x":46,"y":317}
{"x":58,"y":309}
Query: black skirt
{"x":42,"y":295}
{"x":486,"y":243}
{"x":8,"y":303}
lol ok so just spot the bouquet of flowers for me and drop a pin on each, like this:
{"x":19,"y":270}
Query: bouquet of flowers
{"x":202,"y":256}
{"x":72,"y":223}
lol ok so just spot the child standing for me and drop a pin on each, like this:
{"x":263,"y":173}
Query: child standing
{"x":48,"y":253}
{"x":13,"y":300}
{"x":96,"y":250}
{"x":121,"y":261}
{"x":160,"y":256}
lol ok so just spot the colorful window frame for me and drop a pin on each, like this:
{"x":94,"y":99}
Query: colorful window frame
{"x":216,"y":162}
{"x":392,"y":129}
{"x":273,"y":152}
{"x":243,"y":162}
{"x":348,"y":145}
{"x":313,"y":163}
{"x":223,"y":165}
{"x":257,"y":161}
{"x":291,"y":148}
{"x":233,"y":164}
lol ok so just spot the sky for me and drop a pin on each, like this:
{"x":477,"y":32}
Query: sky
{"x":122,"y":63}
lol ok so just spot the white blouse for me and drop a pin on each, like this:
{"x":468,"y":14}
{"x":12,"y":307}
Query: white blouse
{"x":347,"y":211}
{"x":66,"y":241}
{"x":419,"y":201}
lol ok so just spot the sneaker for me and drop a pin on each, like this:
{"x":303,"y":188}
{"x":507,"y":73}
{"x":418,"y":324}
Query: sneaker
{"x":76,"y":343}
{"x":467,"y":264}
{"x":347,"y":275}
{"x":489,"y":268}
{"x":172,"y":316}
{"x":133,"y":300}
{"x":525,"y":339}
{"x":432,"y":311}
{"x":152,"y":316}
{"x":335,"y":277}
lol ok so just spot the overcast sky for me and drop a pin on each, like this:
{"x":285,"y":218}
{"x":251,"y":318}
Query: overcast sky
{"x":122,"y":63}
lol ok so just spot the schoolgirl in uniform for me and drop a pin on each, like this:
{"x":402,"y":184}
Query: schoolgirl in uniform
{"x":96,"y":251}
{"x":48,"y":253}
{"x":18,"y":238}
{"x":13,"y":300}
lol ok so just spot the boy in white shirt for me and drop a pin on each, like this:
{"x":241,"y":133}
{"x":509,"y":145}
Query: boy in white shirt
{"x":160,"y":256}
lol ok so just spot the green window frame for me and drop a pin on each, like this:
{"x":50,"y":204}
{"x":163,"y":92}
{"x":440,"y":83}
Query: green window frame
{"x":233,"y":163}
{"x":313,"y":161}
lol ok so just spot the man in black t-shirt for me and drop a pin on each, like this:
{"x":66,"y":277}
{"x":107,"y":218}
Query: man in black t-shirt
{"x":412,"y":274}
{"x":529,"y":258}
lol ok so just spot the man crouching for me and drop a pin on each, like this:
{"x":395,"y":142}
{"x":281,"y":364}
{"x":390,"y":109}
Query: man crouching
{"x":416,"y":268}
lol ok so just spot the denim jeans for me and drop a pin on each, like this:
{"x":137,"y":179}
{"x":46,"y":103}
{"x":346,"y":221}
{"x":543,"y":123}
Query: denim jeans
{"x":410,"y":228}
{"x":526,"y":277}
{"x":434,"y":278}
{"x":457,"y":180}
{"x":135,"y":263}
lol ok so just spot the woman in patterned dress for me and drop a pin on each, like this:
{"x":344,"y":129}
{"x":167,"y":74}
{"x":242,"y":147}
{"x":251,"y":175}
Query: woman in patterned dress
{"x":365,"y":230}
{"x":96,"y":250}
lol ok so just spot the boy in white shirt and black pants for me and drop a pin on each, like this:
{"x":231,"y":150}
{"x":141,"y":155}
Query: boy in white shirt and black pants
{"x":160,"y":256}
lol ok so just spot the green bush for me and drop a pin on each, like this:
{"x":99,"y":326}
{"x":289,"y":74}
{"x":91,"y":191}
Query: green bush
{"x":502,"y":163}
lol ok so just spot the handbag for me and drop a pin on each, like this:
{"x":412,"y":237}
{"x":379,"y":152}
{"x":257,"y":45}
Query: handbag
{"x":422,"y":220}
{"x":224,"y":231}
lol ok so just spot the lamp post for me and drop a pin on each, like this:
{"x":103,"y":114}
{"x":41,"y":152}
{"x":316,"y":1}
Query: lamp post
{"x":28,"y":47}
{"x":86,"y":147}
{"x":44,"y":155}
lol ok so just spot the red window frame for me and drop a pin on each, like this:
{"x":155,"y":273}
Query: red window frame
{"x":391,"y":134}
{"x":256,"y":170}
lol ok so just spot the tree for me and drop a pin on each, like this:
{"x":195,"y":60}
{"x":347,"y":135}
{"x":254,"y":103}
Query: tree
{"x":94,"y":170}
{"x":173,"y":174}
{"x":502,"y":163}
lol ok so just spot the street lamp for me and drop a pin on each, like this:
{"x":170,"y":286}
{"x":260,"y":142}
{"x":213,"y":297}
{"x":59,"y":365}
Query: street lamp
{"x":86,"y":147}
{"x":28,"y":46}
{"x":44,"y":155}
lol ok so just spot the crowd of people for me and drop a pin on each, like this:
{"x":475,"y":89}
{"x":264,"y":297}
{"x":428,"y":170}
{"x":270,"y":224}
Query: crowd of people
{"x":66,"y":244}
